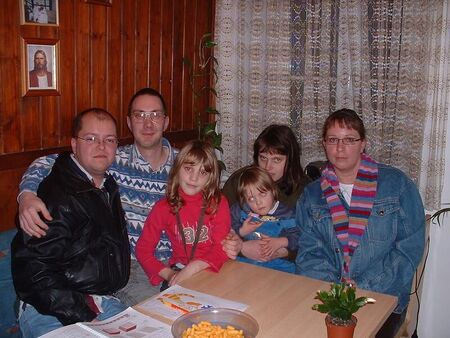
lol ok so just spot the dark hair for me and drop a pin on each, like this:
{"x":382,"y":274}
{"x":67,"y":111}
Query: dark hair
{"x":99,"y":113}
{"x":195,"y":151}
{"x":280,"y":139}
{"x":346,"y":118}
{"x":40,"y":51}
{"x":150,"y":92}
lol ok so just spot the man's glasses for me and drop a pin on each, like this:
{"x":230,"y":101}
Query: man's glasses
{"x":154,"y":116}
{"x":108,"y":141}
{"x":348,"y":141}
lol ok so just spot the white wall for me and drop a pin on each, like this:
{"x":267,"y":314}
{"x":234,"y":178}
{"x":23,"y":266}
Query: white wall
{"x":434,"y":317}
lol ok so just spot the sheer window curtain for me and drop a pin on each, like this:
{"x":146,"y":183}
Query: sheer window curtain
{"x":254,"y":72}
{"x":296,"y":61}
{"x":368,"y":56}
{"x":437,"y":104}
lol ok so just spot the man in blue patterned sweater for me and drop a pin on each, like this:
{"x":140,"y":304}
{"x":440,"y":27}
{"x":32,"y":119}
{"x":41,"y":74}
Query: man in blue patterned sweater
{"x":140,"y":169}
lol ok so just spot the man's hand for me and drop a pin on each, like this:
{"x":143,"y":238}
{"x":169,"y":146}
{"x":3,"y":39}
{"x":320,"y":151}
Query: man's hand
{"x":232,"y":245}
{"x":30,"y":222}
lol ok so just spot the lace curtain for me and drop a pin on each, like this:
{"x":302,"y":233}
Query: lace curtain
{"x":388,"y":60}
{"x":368,"y":56}
{"x":437,"y":104}
{"x":254,"y":61}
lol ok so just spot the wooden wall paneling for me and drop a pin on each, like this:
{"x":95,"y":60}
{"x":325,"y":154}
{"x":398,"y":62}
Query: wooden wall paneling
{"x":177,"y":94}
{"x":155,"y":41}
{"x":67,"y":68}
{"x":190,"y":25}
{"x":10,"y":68}
{"x":30,"y":120}
{"x":114,"y":65}
{"x":106,"y":54}
{"x":50,"y":121}
{"x":142,"y":50}
{"x":82,"y":56}
{"x":98,"y":55}
{"x":48,"y":105}
{"x":128,"y":27}
{"x":48,"y":32}
{"x":30,"y":31}
{"x":167,"y":57}
{"x":203,"y":27}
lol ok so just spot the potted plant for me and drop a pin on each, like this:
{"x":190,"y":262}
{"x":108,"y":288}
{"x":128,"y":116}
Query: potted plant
{"x":340,"y":303}
{"x":198,"y":73}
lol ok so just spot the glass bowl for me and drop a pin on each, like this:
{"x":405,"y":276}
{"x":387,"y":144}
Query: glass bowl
{"x":217,"y":316}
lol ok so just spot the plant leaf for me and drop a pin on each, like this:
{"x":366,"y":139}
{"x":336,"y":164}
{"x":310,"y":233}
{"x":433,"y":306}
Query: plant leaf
{"x":339,"y":302}
{"x":210,"y":44}
{"x":212,"y":110}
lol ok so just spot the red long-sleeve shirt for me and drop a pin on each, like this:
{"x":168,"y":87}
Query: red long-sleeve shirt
{"x":209,"y":247}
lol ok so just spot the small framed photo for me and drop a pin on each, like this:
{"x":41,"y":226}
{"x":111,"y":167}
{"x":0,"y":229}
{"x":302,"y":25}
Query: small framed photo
{"x":39,"y":12}
{"x":99,"y":2}
{"x":40,"y":67}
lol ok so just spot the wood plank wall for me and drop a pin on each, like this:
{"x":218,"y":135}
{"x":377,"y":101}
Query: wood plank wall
{"x":106,"y":53}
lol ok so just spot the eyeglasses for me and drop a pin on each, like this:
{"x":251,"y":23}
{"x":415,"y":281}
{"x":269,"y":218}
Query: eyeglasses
{"x":348,"y":141}
{"x":154,"y":116}
{"x":108,"y":141}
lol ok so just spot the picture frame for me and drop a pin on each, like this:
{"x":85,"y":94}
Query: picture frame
{"x":39,"y":12}
{"x":99,"y":2}
{"x":40,"y":59}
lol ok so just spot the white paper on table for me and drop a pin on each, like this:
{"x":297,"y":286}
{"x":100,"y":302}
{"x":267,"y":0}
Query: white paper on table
{"x":126,"y":324}
{"x":177,"y":300}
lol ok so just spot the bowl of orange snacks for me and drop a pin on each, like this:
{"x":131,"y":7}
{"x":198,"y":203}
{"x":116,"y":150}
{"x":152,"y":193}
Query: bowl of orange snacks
{"x":215,"y":322}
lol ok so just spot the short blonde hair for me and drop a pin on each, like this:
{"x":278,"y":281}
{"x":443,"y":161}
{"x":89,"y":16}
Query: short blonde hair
{"x":195,"y":152}
{"x":257,"y":177}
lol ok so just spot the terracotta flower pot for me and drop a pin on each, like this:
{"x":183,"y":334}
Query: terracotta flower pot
{"x":338,"y":331}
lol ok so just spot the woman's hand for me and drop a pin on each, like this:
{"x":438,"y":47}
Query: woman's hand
{"x":253,"y":249}
{"x":232,"y":245}
{"x":271,"y":244}
{"x":30,"y":222}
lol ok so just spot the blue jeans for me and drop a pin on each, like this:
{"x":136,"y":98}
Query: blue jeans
{"x":33,"y":324}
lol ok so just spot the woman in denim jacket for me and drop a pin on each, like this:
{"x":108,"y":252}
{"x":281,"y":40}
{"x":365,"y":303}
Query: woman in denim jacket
{"x":362,"y":222}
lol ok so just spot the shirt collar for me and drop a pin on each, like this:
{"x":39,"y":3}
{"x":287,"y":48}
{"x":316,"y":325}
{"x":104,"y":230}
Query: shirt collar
{"x":138,"y":159}
{"x":274,"y":208}
{"x":89,"y":176}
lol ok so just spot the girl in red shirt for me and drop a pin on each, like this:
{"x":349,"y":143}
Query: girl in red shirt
{"x":194,"y":214}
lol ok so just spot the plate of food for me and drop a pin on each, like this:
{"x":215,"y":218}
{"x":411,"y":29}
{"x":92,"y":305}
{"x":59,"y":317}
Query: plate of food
{"x":215,"y":322}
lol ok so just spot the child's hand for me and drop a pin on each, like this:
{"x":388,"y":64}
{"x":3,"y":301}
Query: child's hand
{"x":166,"y":273}
{"x":192,"y":268}
{"x":249,"y":225}
{"x":271,"y":244}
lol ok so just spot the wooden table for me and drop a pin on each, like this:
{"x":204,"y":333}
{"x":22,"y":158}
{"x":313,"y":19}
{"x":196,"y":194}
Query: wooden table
{"x":281,"y":302}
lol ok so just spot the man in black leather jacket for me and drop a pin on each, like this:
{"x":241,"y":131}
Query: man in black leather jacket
{"x":68,"y":275}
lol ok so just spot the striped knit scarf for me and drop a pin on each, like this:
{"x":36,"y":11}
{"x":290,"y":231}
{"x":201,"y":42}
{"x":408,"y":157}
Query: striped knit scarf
{"x":349,"y":228}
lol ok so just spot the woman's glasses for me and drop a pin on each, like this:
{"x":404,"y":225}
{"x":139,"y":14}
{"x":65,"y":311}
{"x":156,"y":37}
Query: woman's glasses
{"x":348,"y":141}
